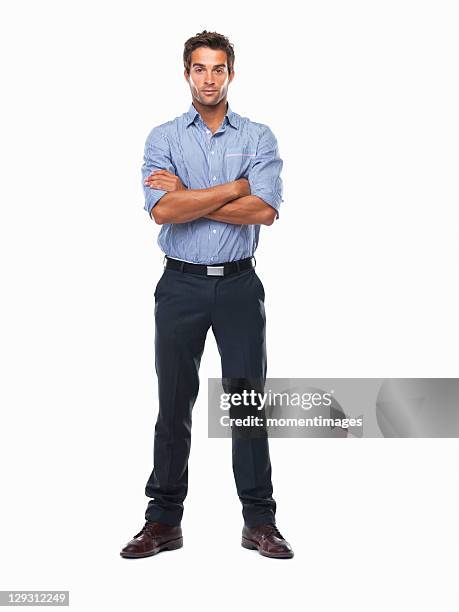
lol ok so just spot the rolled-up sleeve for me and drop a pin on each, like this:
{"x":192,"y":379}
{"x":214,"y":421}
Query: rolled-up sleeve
{"x":156,"y":157}
{"x":264,"y":173}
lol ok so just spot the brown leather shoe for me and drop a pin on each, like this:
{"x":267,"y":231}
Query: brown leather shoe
{"x":268,"y":540}
{"x":152,"y":539}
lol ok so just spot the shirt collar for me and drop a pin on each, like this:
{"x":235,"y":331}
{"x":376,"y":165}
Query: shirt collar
{"x":232,"y":117}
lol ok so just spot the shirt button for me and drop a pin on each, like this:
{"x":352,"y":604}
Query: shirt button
{"x":211,"y":152}
{"x":215,"y":231}
{"x":214,"y":178}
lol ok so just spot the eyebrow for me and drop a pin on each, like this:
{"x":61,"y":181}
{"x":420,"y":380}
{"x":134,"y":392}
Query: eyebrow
{"x":215,"y":65}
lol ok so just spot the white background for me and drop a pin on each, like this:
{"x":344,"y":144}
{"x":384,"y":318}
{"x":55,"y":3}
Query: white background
{"x":363,"y":99}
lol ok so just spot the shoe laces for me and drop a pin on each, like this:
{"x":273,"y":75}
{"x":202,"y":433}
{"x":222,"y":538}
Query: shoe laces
{"x":270,"y":528}
{"x":145,"y":529}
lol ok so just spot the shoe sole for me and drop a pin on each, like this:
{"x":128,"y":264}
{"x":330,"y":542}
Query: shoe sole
{"x":171,"y":545}
{"x":250,"y":545}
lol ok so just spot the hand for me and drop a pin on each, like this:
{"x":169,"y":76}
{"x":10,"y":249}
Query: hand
{"x":243,"y":187}
{"x":162,"y":179}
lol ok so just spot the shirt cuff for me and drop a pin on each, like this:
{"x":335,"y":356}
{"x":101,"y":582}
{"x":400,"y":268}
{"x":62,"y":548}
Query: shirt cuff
{"x":152,"y":197}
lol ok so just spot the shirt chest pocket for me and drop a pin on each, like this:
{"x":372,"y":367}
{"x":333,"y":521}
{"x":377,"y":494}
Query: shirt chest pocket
{"x":237,"y":161}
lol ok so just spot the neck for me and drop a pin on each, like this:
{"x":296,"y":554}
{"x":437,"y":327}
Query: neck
{"x":212,"y":115}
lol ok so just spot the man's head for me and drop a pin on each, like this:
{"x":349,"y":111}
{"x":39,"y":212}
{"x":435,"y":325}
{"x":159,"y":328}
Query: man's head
{"x":208,"y":58}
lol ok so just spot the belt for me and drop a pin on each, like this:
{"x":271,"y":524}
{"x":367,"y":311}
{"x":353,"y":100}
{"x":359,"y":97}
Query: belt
{"x":218,"y":270}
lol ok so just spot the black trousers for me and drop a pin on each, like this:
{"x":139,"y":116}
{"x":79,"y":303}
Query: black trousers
{"x":186,"y":306}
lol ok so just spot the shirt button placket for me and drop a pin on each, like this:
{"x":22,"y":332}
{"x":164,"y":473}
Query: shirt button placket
{"x":214,"y":178}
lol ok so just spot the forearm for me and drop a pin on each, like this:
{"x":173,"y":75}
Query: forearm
{"x":186,"y":205}
{"x":246,"y":210}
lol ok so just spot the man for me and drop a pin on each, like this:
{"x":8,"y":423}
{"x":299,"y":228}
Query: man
{"x":211,"y":178}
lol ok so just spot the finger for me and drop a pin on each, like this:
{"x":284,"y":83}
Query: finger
{"x":154,"y":173}
{"x":158,"y":174}
{"x":154,"y":179}
{"x":164,"y":178}
{"x":162,"y":172}
{"x":154,"y":183}
{"x":164,"y":185}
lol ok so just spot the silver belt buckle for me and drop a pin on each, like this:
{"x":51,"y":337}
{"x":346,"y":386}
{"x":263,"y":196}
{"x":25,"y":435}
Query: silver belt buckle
{"x":215,"y":270}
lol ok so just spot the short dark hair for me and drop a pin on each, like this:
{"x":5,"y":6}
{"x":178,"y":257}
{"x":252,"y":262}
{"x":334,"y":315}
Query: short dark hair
{"x":208,"y":39}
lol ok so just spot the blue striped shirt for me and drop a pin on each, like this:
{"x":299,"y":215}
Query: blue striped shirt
{"x":240,"y":148}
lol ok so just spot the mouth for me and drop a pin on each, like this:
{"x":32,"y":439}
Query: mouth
{"x":209,"y":90}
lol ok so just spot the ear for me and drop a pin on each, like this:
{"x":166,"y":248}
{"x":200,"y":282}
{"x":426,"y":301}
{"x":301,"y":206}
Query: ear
{"x":186,"y":75}
{"x":231,"y":76}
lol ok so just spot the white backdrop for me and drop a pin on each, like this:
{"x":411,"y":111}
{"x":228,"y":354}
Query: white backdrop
{"x":363,"y":99}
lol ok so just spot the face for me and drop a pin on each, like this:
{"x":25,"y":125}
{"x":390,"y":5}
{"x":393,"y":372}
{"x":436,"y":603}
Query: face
{"x":208,"y":71}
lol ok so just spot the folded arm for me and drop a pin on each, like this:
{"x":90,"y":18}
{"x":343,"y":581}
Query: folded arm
{"x":183,"y":205}
{"x":228,"y":203}
{"x":254,"y":200}
{"x":247,"y":210}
